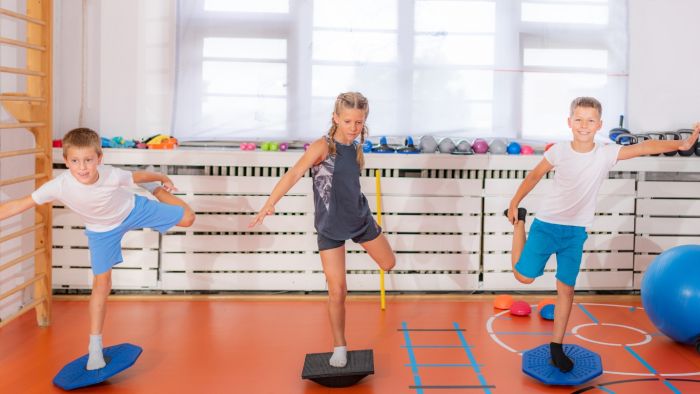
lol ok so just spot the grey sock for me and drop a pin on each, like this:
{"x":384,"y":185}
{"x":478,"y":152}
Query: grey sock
{"x":95,"y":358}
{"x":150,"y":186}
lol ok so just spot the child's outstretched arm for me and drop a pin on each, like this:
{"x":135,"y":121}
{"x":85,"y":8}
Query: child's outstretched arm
{"x":313,"y":155}
{"x":650,"y":147}
{"x":149,"y":176}
{"x":15,"y":207}
{"x":529,"y":183}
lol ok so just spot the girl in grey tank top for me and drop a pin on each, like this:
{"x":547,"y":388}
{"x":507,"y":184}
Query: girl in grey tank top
{"x":341,"y":210}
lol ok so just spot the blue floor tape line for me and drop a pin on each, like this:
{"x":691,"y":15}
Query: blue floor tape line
{"x":472,"y":359}
{"x":412,"y":359}
{"x":590,"y":315}
{"x":650,"y":368}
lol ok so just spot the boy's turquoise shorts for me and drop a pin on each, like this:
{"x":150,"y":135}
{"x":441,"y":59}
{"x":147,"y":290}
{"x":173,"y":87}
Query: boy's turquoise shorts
{"x":106,"y":247}
{"x":545,"y":239}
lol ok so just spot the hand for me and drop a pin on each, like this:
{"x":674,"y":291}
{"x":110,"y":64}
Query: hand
{"x":513,"y":214}
{"x":689,"y":142}
{"x":167,"y":184}
{"x":258,"y":219}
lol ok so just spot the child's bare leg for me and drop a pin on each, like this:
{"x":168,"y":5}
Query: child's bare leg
{"x":562,"y":310}
{"x":333,"y":261}
{"x":167,"y":198}
{"x":380,"y":251}
{"x":101,"y":286}
{"x":518,"y":245}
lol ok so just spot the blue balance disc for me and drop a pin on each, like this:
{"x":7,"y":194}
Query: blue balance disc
{"x":118,"y":358}
{"x":547,"y":312}
{"x":537,"y":363}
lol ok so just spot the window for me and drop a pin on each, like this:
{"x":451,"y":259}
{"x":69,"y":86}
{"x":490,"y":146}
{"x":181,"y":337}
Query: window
{"x":272,"y":69}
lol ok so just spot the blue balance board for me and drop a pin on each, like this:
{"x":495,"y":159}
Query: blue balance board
{"x":537,"y":363}
{"x":119,"y":357}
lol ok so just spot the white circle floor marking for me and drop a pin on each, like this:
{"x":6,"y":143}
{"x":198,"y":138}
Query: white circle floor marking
{"x":647,"y":337}
{"x":494,"y":336}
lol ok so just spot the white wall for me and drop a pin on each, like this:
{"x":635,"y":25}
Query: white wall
{"x":128,"y":59}
{"x":664,"y":66}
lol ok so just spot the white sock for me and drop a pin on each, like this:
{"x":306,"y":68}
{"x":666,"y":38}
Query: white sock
{"x":95,"y":359}
{"x":150,"y":186}
{"x":339,"y":357}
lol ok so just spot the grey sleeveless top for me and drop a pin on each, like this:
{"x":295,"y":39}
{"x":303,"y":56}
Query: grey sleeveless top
{"x":342,"y":211}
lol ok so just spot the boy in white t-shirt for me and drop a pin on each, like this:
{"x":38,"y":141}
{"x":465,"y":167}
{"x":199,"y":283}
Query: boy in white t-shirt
{"x":560,"y":224}
{"x":98,"y":194}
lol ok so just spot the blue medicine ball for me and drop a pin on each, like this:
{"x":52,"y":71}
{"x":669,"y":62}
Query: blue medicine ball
{"x":671,"y":293}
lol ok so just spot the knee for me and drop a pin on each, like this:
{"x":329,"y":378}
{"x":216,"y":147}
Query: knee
{"x":187,"y":218}
{"x":523,"y":279}
{"x":389,"y":263}
{"x":565,"y":291}
{"x":102,"y":284}
{"x":337,"y":293}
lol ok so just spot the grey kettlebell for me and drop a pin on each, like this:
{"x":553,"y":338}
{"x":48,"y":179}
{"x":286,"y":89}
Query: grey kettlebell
{"x":463,"y":148}
{"x":446,"y":145}
{"x":498,"y":147}
{"x":428,"y":144}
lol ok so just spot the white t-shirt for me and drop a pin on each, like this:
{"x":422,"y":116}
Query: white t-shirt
{"x":577,"y":179}
{"x":103,"y":205}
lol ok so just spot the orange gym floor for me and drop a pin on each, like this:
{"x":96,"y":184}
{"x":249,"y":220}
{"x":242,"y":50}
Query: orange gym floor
{"x":422,"y":344}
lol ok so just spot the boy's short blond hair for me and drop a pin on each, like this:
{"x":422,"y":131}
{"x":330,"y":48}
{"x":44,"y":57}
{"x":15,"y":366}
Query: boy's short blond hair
{"x":586,"y":102}
{"x":82,"y":137}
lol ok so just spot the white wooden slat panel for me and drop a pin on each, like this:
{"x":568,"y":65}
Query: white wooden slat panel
{"x":638,"y":281}
{"x":243,"y":281}
{"x":234,"y":184}
{"x":66,"y":217}
{"x":657,"y":244}
{"x":204,"y":203}
{"x":614,"y":261}
{"x":422,"y":187}
{"x":418,"y":261}
{"x":605,"y":204}
{"x":311,"y":261}
{"x":414,"y":282}
{"x":420,"y":223}
{"x":81,"y":258}
{"x":669,"y":207}
{"x":618,"y":280}
{"x":500,"y":242}
{"x":670,"y":226}
{"x":668,"y":189}
{"x":506,"y":281}
{"x":607,"y":223}
{"x":429,"y":243}
{"x":410,"y":204}
{"x":123,"y":279}
{"x":642,"y":261}
{"x":508,"y":187}
{"x":239,"y":262}
{"x":232,"y":243}
{"x":274,"y":223}
{"x":132,"y":239}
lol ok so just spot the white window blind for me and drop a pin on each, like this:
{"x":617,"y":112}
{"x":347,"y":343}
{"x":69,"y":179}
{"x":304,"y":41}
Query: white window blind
{"x":272,"y":69}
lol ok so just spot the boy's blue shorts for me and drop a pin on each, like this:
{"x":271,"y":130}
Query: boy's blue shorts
{"x":547,"y":238}
{"x":106,"y":247}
